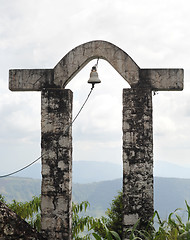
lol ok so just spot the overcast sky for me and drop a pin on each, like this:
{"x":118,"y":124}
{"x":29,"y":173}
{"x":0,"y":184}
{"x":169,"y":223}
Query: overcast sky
{"x":38,"y":33}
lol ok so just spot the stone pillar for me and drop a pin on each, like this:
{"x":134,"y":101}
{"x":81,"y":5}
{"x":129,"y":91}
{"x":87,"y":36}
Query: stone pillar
{"x":56,"y":142}
{"x":137,"y":157}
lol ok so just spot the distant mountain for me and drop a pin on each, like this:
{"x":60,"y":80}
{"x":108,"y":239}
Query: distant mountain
{"x":34,"y":171}
{"x":169,"y":193}
{"x":99,"y":182}
{"x":91,"y":171}
{"x":20,"y":189}
{"x":170,"y":170}
{"x":83,"y":171}
{"x":98,"y":194}
{"x":87,"y":172}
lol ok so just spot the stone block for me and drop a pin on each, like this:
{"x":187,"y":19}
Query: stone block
{"x":30,"y":79}
{"x":163,"y":79}
{"x":130,"y":219}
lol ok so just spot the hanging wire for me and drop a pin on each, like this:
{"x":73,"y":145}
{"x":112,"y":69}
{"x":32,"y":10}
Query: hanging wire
{"x":96,"y":65}
{"x":9,"y":174}
{"x":83,"y":104}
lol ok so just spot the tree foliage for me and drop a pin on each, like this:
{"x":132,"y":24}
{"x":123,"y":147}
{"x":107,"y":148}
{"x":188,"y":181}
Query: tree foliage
{"x":113,"y":219}
{"x":2,"y":198}
{"x":82,"y":226}
{"x":80,"y":223}
{"x":110,"y":228}
{"x":29,"y":211}
{"x":115,"y":214}
{"x":87,"y":224}
{"x":173,"y":228}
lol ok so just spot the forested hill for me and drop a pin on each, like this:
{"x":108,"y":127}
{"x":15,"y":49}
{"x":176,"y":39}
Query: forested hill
{"x":169,"y":193}
{"x":20,"y":189}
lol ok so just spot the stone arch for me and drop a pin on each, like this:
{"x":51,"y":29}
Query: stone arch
{"x":56,"y":112}
{"x":78,"y":57}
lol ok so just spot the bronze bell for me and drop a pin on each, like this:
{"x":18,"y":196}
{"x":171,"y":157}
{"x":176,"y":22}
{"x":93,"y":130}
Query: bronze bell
{"x":94,"y":76}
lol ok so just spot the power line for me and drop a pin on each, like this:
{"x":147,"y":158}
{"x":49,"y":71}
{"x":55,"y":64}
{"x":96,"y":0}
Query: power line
{"x":9,"y":174}
{"x":83,"y":104}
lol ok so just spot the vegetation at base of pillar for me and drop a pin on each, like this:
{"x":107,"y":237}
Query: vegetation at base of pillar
{"x":114,"y":213}
{"x":30,"y":212}
{"x":171,"y":229}
{"x":95,"y":227}
{"x":84,"y":227}
{"x":114,"y":218}
{"x":87,"y":224}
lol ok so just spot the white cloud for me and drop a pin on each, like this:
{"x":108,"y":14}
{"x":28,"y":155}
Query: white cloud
{"x":20,"y":115}
{"x":97,"y":151}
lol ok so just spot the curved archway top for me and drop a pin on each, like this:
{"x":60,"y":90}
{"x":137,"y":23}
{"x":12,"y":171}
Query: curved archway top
{"x":78,"y":57}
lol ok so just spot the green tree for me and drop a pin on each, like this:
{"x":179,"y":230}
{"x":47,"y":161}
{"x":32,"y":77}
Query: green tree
{"x":2,"y":198}
{"x":106,"y":228}
{"x":82,"y":226}
{"x":115,"y":214}
{"x":114,"y":218}
{"x":81,"y":223}
{"x":29,"y":211}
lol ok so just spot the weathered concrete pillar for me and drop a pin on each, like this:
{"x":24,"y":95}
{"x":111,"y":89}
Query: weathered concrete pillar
{"x":56,"y":142}
{"x":137,"y":157}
